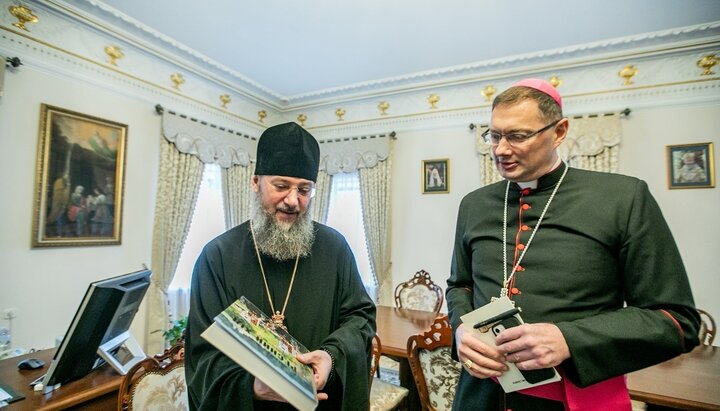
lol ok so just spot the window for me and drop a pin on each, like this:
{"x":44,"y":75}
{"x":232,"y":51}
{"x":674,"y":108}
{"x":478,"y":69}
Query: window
{"x":208,"y":221}
{"x":345,"y":215}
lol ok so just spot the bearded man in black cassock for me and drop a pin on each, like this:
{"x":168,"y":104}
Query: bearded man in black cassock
{"x":298,"y":271}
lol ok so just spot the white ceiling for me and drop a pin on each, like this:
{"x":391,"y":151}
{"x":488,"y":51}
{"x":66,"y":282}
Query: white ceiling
{"x":292,"y":48}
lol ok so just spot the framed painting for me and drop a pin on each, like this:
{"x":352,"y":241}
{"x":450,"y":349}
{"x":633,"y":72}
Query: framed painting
{"x":436,"y":176}
{"x":79,"y":180}
{"x":691,"y":166}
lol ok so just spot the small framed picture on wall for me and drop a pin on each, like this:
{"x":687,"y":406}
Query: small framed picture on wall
{"x":691,"y":166}
{"x":436,"y":176}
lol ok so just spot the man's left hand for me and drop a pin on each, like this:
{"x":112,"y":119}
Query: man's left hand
{"x":533,"y":346}
{"x":321,"y":363}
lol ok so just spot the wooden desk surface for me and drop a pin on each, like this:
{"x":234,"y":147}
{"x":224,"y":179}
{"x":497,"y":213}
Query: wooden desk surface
{"x":396,"y":325}
{"x":98,"y":390}
{"x":690,"y":381}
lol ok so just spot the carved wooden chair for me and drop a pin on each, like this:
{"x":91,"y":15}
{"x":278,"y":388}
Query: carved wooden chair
{"x":419,"y":293}
{"x":707,"y":327}
{"x":435,"y":373}
{"x":384,"y":396}
{"x":156,"y":383}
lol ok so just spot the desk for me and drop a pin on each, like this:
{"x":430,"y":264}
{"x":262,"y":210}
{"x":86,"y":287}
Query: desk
{"x":394,"y":327}
{"x":97,"y":391}
{"x":689,"y":382}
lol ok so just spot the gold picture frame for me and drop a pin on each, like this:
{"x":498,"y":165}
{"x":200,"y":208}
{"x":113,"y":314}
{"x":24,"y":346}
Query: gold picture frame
{"x":691,"y":166}
{"x":79,"y":180}
{"x":436,"y":176}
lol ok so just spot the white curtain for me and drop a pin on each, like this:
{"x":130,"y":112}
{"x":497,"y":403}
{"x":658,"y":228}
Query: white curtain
{"x":186,"y":146}
{"x":592,"y":143}
{"x":236,"y":189}
{"x":321,"y":202}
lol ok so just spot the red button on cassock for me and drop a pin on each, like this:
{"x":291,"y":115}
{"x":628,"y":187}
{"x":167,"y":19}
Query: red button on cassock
{"x":521,"y":246}
{"x":526,"y":206}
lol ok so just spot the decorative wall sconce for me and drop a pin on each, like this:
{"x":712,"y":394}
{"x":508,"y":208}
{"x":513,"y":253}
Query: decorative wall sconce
{"x":627,"y":73}
{"x":114,"y":53}
{"x":340,"y":113}
{"x":302,"y":118}
{"x":488,"y":92}
{"x":225,"y":100}
{"x":177,"y":80}
{"x":556,"y":81}
{"x":24,"y":16}
{"x":433,"y":99}
{"x":383,"y":106}
{"x":261,"y":116}
{"x":707,"y":63}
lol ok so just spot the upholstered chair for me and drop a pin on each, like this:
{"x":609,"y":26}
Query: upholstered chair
{"x":384,"y":396}
{"x":435,"y":373}
{"x":707,"y":327}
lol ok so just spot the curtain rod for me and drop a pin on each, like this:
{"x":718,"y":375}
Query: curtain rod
{"x":392,"y":135}
{"x":159,"y":109}
{"x":626,"y":112}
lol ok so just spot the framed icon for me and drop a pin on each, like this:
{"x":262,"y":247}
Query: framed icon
{"x":436,"y":176}
{"x":691,"y":166}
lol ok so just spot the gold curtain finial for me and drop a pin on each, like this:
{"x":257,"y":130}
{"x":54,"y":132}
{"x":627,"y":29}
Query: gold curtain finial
{"x":488,"y":92}
{"x":225,"y":100}
{"x":627,"y":73}
{"x":261,"y":116}
{"x":302,"y":118}
{"x":383,"y":106}
{"x":177,"y":80}
{"x":556,"y":81}
{"x":24,"y":16}
{"x":114,"y":53}
{"x":340,"y":113}
{"x":433,"y":99}
{"x":707,"y":63}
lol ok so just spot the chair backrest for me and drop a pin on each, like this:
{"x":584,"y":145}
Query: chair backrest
{"x":375,"y":359}
{"x":156,"y":383}
{"x":707,"y":327}
{"x":419,"y":293}
{"x":435,"y":373}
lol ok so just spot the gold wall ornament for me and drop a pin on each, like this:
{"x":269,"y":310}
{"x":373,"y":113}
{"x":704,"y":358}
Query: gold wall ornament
{"x":225,"y":100}
{"x":556,"y":81}
{"x":383,"y":106}
{"x":24,"y":16}
{"x":302,"y":118}
{"x":114,"y":53}
{"x":488,"y":92}
{"x":340,"y":113}
{"x":707,"y":63}
{"x":177,"y":80}
{"x":261,"y":115}
{"x":627,"y":73}
{"x":433,"y":99}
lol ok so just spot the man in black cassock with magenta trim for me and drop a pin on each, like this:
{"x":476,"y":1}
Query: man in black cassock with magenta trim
{"x":298,"y":271}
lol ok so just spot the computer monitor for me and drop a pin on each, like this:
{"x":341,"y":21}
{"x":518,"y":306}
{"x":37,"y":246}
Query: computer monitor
{"x":102,"y":320}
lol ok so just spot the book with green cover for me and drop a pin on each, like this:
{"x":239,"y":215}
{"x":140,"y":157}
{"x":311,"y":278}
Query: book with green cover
{"x":265,"y":350}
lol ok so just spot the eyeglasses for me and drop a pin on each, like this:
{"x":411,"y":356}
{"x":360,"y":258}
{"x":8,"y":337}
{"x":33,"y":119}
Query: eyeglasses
{"x":493,"y":137}
{"x":305,"y":190}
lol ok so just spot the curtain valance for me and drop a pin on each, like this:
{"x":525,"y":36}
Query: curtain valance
{"x":210,"y":143}
{"x":346,"y":155}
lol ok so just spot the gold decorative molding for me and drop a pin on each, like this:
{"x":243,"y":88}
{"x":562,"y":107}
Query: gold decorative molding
{"x":340,"y":113}
{"x":24,"y":16}
{"x":261,"y":116}
{"x":488,"y":92}
{"x":433,"y":99}
{"x":177,"y":80}
{"x":707,"y":63}
{"x":556,"y":81}
{"x":302,"y":118}
{"x":383,"y":106}
{"x":225,"y":100}
{"x":114,"y":53}
{"x":627,"y":73}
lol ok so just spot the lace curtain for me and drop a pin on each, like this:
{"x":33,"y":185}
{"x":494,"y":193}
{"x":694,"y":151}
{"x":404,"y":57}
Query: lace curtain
{"x":237,"y":193}
{"x":321,"y":202}
{"x":592,"y":143}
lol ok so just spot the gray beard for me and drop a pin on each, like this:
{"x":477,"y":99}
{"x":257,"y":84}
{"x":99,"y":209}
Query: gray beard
{"x":278,"y":242}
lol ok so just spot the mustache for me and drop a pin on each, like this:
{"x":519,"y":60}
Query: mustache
{"x":288,"y":210}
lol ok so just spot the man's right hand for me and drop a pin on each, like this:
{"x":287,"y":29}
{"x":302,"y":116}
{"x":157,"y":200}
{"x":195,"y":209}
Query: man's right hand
{"x":479,"y":359}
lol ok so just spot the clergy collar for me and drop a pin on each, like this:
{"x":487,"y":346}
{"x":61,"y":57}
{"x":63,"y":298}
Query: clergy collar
{"x":545,"y":182}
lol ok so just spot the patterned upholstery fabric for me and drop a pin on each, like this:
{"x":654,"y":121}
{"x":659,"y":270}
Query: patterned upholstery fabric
{"x":419,"y":298}
{"x":158,"y":392}
{"x":385,"y":396}
{"x":441,"y":374}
